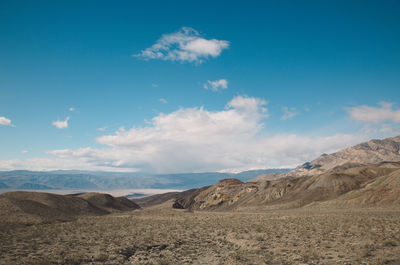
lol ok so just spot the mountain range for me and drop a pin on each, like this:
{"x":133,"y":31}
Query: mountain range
{"x":89,"y":180}
{"x":367,"y":174}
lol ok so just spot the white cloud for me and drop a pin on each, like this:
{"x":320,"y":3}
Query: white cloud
{"x":5,"y":121}
{"x":163,"y":100}
{"x":375,"y":115}
{"x":195,"y":140}
{"x":72,"y":109}
{"x":24,"y":151}
{"x":216,"y":85}
{"x":102,"y":129}
{"x":288,"y":113}
{"x":61,"y":124}
{"x":186,"y":45}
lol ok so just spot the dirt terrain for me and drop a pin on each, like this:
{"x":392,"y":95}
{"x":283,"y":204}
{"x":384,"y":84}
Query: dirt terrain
{"x":162,"y":235}
{"x":39,"y":207}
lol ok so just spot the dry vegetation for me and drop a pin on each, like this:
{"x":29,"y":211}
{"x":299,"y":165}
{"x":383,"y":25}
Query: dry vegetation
{"x":161,"y":235}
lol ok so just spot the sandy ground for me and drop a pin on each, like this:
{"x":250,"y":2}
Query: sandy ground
{"x":161,"y":235}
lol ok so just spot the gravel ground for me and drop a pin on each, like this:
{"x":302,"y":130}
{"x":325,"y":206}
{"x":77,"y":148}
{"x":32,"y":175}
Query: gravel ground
{"x":161,"y":235}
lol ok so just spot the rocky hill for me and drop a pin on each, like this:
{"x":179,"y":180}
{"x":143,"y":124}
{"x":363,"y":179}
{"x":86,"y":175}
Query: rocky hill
{"x":366,"y":174}
{"x":107,"y":202}
{"x":161,"y":198}
{"x":370,"y":152}
{"x":370,"y":185}
{"x":37,"y":207}
{"x":366,"y":153}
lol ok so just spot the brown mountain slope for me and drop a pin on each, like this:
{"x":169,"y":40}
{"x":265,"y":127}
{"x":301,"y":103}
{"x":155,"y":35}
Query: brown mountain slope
{"x":161,"y":198}
{"x":36,"y":207}
{"x":372,"y":184}
{"x":366,"y":153}
{"x":107,"y":202}
{"x":383,"y":191}
{"x":370,"y":152}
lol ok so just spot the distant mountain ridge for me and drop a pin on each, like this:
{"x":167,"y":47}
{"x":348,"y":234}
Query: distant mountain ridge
{"x":75,"y":179}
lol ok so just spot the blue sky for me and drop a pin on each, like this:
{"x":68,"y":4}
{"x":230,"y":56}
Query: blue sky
{"x":236,"y":85}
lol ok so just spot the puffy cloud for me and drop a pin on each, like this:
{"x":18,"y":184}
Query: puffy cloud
{"x":216,"y":85}
{"x":195,"y":140}
{"x":288,"y":113}
{"x":186,"y":45}
{"x":375,"y":115}
{"x":5,"y":121}
{"x":163,"y":100}
{"x":61,"y":124}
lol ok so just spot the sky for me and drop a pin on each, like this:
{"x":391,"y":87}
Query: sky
{"x":189,"y":86}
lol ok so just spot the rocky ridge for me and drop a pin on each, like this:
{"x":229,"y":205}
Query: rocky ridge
{"x":367,"y":174}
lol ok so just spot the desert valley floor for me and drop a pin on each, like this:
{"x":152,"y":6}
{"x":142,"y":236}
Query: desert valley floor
{"x":162,"y":235}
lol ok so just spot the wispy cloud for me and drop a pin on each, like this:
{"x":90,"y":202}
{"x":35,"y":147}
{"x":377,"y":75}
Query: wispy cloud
{"x":24,"y":151}
{"x":375,"y":115}
{"x":72,"y":109}
{"x":216,"y":85}
{"x":186,"y":45}
{"x":163,"y":100}
{"x":288,"y":113}
{"x":5,"y":121}
{"x":61,"y":124}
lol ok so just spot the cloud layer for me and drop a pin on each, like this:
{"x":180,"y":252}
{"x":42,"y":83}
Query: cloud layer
{"x":216,"y":85}
{"x":186,"y":45}
{"x":375,"y":115}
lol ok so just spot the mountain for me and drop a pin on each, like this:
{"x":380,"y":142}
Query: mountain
{"x":371,"y":185}
{"x":161,"y":198}
{"x":370,"y":152}
{"x":107,"y":202}
{"x":367,"y":174}
{"x":37,"y":207}
{"x":73,"y":179}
